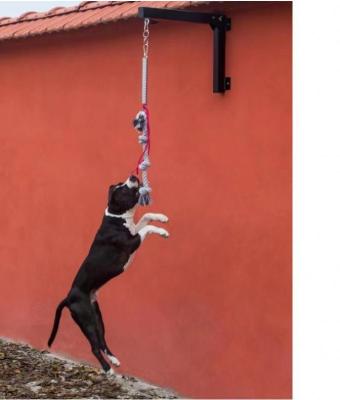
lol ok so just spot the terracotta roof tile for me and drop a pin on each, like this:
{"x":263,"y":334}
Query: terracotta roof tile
{"x":6,"y":20}
{"x":55,"y":11}
{"x":87,"y":13}
{"x":26,"y":15}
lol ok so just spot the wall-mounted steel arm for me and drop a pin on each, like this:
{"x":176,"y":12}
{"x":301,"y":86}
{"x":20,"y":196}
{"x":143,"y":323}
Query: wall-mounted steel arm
{"x":219,"y":24}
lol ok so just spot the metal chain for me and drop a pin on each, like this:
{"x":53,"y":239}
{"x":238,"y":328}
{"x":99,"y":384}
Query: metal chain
{"x":146,"y":34}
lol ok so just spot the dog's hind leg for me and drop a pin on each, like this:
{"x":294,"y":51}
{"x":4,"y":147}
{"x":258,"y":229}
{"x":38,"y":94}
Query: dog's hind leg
{"x":101,"y":334}
{"x":83,"y":314}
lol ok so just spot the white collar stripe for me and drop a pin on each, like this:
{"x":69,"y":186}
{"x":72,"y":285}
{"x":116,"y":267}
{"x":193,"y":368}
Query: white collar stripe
{"x":127,"y":214}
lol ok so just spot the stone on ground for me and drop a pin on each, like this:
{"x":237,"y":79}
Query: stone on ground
{"x":27,"y":373}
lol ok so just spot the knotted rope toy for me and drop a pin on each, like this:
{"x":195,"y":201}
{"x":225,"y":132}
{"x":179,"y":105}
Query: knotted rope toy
{"x":142,"y":125}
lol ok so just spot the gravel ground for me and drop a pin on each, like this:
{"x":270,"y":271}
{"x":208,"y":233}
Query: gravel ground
{"x":26,"y":373}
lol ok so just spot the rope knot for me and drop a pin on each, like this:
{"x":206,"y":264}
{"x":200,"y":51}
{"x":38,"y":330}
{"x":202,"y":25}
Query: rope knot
{"x":142,"y":139}
{"x":144,"y":165}
{"x":145,"y":190}
{"x":139,"y":121}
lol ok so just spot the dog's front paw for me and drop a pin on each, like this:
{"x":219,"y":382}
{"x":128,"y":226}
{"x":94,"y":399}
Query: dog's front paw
{"x":163,"y":218}
{"x":163,"y":233}
{"x":114,"y":360}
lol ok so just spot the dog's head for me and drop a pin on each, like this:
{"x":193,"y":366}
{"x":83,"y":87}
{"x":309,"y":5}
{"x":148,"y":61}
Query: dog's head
{"x":123,"y":196}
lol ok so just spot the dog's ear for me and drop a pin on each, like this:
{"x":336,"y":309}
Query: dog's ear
{"x":112,"y":188}
{"x":110,"y":192}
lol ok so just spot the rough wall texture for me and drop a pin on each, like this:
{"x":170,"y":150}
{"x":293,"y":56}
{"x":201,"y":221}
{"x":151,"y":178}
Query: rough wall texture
{"x":207,"y":312}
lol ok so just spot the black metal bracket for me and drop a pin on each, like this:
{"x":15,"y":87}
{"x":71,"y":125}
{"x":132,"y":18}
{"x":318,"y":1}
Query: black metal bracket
{"x":219,"y":24}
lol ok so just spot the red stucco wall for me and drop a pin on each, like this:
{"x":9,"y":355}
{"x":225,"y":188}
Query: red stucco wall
{"x":207,"y":312}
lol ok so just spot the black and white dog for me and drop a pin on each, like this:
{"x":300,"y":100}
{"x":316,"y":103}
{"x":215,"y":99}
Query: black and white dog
{"x":110,"y":254}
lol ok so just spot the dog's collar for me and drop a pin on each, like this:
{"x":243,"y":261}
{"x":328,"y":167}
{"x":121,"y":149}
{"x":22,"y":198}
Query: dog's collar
{"x":127,"y":214}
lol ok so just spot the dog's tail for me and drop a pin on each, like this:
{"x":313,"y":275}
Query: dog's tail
{"x":56,"y":321}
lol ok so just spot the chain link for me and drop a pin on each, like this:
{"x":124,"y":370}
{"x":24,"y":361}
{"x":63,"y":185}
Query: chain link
{"x":146,"y":34}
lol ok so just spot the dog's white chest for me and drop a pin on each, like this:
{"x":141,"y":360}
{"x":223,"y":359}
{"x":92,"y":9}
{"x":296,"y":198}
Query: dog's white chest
{"x":130,"y":225}
{"x":126,"y":266}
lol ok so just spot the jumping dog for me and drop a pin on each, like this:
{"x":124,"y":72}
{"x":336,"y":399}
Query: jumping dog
{"x":111,"y":252}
